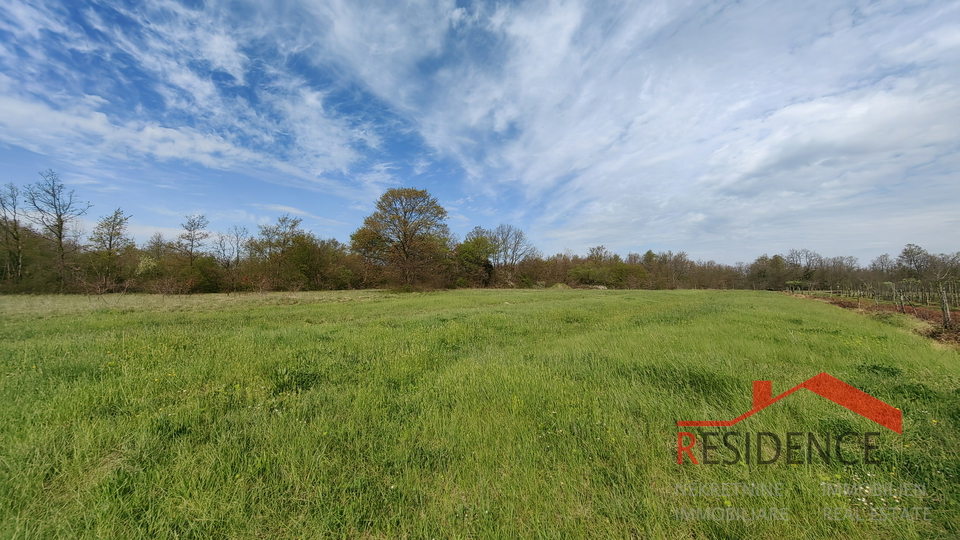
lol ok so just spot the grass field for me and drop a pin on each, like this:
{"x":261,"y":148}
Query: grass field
{"x":461,"y":414}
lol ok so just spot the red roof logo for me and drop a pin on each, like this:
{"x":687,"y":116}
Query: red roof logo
{"x":826,"y":386}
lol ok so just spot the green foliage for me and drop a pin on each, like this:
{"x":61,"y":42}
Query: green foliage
{"x":914,"y":261}
{"x":406,"y":243}
{"x":474,"y":267}
{"x":203,"y":276}
{"x":406,"y":238}
{"x":31,"y":267}
{"x":288,"y":258}
{"x":110,"y":234}
{"x":591,"y":273}
{"x":111,"y":258}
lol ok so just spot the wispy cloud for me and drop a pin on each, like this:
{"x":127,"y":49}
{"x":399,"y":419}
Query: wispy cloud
{"x":687,"y":124}
{"x":171,"y":56}
{"x":282,"y":208}
{"x":721,"y":128}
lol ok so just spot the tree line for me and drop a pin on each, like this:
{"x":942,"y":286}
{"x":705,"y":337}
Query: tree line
{"x":404,"y":243}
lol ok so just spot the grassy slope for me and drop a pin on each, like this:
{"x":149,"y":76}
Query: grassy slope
{"x":500,"y":414}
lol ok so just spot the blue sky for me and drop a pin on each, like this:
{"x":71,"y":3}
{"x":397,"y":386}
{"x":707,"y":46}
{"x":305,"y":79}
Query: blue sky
{"x":723,"y":129}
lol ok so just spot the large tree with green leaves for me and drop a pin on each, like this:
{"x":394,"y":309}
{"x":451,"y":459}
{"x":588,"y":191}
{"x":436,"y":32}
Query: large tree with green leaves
{"x":407,"y":237}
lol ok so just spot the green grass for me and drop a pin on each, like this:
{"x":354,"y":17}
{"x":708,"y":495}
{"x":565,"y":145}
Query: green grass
{"x":463,"y":414}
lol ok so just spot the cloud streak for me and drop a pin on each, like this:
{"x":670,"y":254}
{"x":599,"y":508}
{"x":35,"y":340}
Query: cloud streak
{"x":721,"y":128}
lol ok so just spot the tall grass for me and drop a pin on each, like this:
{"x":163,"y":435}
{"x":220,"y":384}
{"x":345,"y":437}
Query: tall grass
{"x":466,"y":414}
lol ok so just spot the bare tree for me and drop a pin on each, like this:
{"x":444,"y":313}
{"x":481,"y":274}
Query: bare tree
{"x":10,"y":215}
{"x":883,"y":265}
{"x":54,"y":210}
{"x":228,"y":248}
{"x":943,"y":270}
{"x":511,"y":247}
{"x":804,"y":267}
{"x":601,"y":254}
{"x":193,"y":235}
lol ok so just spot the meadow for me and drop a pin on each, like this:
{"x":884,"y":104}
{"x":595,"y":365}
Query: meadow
{"x":455,"y":414}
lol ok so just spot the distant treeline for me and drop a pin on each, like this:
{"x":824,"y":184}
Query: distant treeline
{"x":405,"y":243}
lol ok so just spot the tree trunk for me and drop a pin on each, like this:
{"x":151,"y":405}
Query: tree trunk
{"x":944,"y":307}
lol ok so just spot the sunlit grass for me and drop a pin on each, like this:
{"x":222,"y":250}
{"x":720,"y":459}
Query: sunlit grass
{"x":491,"y":414}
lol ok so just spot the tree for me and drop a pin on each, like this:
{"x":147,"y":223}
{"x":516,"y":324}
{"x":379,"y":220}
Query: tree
{"x":228,"y":250}
{"x":110,"y":234}
{"x":882,"y":265}
{"x":229,"y":247}
{"x":54,"y":210}
{"x":107,"y":242}
{"x":512,"y":246}
{"x":591,"y":272}
{"x":600,"y":254}
{"x":840,"y":272}
{"x":406,"y":236}
{"x":915,"y":260}
{"x":193,"y":235}
{"x":273,"y":248}
{"x":324,"y":263}
{"x":157,"y":247}
{"x":669,"y":270}
{"x":943,"y":271}
{"x":803,"y":265}
{"x":768,"y":272}
{"x":473,"y":259}
{"x":10,"y":228}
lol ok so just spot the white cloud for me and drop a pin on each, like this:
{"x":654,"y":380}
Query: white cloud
{"x":282,"y":208}
{"x":290,"y":131}
{"x":43,"y":129}
{"x":25,"y":20}
{"x":650,"y":125}
{"x":682,"y":125}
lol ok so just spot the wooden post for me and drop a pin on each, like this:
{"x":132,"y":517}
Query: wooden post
{"x":944,"y":307}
